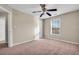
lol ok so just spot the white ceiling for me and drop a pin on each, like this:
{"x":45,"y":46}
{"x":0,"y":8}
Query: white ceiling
{"x":29,"y":8}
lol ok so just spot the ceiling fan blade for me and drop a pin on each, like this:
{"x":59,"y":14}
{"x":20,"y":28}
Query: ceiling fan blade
{"x":48,"y":14}
{"x":41,"y":14}
{"x":36,"y":11}
{"x":52,"y":10}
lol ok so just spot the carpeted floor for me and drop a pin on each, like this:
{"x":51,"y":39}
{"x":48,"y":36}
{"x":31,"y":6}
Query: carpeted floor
{"x":42,"y":47}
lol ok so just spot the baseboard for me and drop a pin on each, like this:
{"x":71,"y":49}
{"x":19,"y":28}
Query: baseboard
{"x":22,"y":42}
{"x":47,"y":38}
{"x":63,"y":41}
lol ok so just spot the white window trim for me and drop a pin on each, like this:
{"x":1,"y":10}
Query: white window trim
{"x":60,"y":27}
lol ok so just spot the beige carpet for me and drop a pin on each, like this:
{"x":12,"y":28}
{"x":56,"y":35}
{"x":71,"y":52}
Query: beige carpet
{"x":42,"y":47}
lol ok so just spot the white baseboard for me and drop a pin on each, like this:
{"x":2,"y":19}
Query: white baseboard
{"x":47,"y":38}
{"x":63,"y":40}
{"x":22,"y":42}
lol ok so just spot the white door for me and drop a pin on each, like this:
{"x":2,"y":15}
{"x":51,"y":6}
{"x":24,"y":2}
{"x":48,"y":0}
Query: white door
{"x":2,"y":28}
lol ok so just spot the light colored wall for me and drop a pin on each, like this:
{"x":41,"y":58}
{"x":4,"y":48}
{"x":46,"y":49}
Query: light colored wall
{"x":23,"y":27}
{"x":41,"y":28}
{"x":37,"y":27}
{"x":2,"y":28}
{"x":69,"y":27}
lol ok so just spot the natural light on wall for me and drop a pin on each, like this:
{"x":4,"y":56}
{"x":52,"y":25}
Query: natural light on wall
{"x":36,"y":30}
{"x":2,"y":28}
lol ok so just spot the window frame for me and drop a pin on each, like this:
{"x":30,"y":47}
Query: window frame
{"x":59,"y":18}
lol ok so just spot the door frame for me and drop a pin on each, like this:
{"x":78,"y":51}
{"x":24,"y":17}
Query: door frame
{"x":10,"y":31}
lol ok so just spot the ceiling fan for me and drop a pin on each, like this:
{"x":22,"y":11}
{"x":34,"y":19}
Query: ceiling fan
{"x":44,"y":10}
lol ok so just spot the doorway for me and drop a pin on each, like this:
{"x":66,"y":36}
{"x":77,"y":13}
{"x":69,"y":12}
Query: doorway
{"x":3,"y":30}
{"x":6,"y":36}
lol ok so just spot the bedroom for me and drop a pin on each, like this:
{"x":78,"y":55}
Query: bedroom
{"x":47,"y":35}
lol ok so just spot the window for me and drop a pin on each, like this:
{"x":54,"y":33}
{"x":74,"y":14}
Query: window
{"x":55,"y":26}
